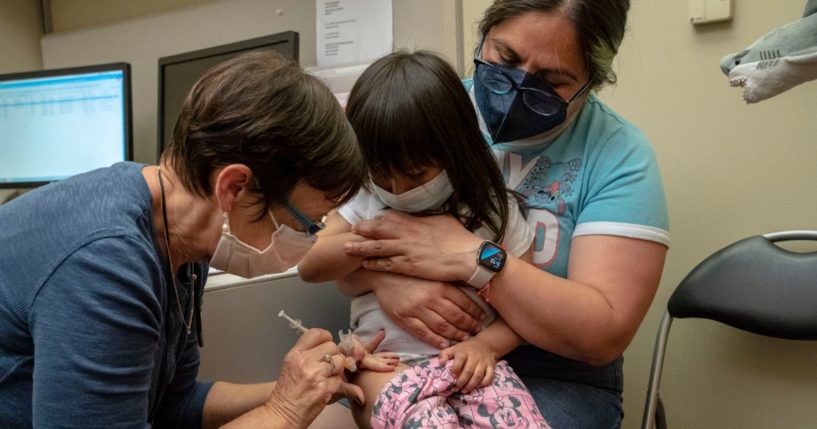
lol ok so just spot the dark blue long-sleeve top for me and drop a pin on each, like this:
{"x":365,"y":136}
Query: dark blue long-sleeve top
{"x":90,"y":332}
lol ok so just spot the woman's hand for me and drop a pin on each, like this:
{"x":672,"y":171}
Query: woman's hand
{"x":474,"y":362}
{"x":418,"y":305}
{"x":432,"y":247}
{"x":309,"y":380}
{"x":432,"y":311}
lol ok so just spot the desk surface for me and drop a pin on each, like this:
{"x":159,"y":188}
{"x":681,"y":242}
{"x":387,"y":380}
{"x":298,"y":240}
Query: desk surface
{"x":222,"y":280}
{"x":244,"y":339}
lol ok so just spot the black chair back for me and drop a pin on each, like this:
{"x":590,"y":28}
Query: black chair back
{"x":753,"y":285}
{"x":756,"y":286}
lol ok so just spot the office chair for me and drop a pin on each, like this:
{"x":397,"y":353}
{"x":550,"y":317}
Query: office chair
{"x":753,"y":285}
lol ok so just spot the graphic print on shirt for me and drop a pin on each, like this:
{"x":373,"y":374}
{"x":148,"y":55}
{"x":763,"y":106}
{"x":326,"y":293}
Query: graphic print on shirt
{"x":545,"y":184}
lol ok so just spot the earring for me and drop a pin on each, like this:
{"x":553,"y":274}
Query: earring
{"x":225,"y":227}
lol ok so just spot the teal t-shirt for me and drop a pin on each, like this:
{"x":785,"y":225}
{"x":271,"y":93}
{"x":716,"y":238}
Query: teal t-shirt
{"x":598,"y":177}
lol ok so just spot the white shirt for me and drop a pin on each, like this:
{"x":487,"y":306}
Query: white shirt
{"x":367,"y":318}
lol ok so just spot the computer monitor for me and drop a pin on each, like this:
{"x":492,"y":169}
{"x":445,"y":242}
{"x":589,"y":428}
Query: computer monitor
{"x":58,"y":123}
{"x":178,"y":73}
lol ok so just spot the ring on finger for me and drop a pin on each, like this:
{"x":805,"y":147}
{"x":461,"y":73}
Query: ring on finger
{"x":328,"y":359}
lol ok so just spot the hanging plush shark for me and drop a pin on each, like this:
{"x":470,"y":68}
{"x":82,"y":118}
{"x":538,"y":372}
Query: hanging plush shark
{"x":778,"y":61}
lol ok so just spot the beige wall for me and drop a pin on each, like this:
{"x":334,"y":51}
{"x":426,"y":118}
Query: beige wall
{"x":730,"y":170}
{"x":19,"y":42}
{"x":19,"y":36}
{"x":76,"y":14}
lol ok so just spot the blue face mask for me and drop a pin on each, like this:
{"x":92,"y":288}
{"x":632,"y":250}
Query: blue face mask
{"x":515,"y":104}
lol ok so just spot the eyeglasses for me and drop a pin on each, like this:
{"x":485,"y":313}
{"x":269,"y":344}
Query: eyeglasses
{"x":311,"y":226}
{"x":545,"y":103}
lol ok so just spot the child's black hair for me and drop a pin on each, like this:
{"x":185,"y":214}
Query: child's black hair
{"x":410,"y":110}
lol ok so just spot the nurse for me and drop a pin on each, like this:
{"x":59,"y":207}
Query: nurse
{"x":595,"y":200}
{"x":102,"y":275}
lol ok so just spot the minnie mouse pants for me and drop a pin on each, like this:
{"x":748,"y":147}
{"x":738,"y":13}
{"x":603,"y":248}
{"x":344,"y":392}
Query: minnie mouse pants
{"x":423,"y":396}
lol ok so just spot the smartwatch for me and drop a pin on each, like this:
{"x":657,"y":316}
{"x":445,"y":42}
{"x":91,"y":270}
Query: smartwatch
{"x":491,"y":259}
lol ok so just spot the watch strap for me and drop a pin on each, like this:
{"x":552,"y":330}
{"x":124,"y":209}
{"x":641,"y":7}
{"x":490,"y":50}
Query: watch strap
{"x":481,"y":277}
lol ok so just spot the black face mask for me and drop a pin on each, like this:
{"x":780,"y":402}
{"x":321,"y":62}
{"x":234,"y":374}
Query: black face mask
{"x":515,"y":104}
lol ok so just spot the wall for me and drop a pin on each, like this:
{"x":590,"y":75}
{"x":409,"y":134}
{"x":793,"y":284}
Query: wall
{"x":77,"y":14}
{"x":19,"y":36}
{"x":19,"y":42}
{"x":141,"y":41}
{"x":730,"y":170}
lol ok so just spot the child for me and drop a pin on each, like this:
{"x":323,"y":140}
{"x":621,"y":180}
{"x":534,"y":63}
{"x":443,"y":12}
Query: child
{"x":426,"y":155}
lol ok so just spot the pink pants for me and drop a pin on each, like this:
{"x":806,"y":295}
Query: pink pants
{"x":423,"y":397}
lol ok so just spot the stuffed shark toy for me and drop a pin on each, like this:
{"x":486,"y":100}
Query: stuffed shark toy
{"x":778,"y":61}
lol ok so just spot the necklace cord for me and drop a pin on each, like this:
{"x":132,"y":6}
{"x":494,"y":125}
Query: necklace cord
{"x":189,"y":322}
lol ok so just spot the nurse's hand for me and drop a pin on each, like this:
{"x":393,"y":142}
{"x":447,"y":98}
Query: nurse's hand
{"x":431,"y":247}
{"x":310,"y":378}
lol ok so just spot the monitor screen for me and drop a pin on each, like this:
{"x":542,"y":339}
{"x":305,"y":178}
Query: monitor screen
{"x":58,"y":123}
{"x":178,"y":73}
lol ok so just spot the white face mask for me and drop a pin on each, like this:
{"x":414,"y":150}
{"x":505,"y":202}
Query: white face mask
{"x":429,"y":196}
{"x":287,"y":247}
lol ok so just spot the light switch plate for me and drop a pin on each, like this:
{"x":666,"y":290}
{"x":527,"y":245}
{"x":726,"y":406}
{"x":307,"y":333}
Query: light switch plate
{"x":709,"y":11}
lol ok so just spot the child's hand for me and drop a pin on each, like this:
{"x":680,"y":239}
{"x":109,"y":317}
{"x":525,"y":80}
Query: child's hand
{"x":380,"y":362}
{"x":474,"y":362}
{"x":359,"y":356}
{"x":354,"y":349}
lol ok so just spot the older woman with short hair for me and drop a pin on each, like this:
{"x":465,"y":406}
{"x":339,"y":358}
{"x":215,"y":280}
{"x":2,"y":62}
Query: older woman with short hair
{"x":102,"y":275}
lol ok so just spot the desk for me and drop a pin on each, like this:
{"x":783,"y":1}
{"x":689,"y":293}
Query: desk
{"x":244,"y":339}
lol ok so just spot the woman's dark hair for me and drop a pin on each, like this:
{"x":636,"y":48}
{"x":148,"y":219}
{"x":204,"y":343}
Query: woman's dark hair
{"x":410,"y":110}
{"x":599,"y":24}
{"x":263,"y":111}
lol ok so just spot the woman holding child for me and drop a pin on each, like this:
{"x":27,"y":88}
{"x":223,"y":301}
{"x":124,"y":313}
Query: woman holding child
{"x":594,"y":201}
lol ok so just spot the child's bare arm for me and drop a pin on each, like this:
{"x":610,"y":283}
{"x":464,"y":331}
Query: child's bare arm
{"x":326,"y":260}
{"x":500,"y":337}
{"x":475,"y":358}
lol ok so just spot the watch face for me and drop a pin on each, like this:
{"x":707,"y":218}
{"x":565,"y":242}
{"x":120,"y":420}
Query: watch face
{"x":492,"y":257}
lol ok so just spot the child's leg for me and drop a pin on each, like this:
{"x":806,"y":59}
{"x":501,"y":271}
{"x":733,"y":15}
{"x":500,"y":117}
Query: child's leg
{"x":504,"y":404}
{"x":417,"y":398}
{"x":372,"y":383}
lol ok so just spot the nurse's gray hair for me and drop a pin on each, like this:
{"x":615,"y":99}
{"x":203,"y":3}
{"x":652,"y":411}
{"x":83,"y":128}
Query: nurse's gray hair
{"x":599,"y":25}
{"x":262,"y":110}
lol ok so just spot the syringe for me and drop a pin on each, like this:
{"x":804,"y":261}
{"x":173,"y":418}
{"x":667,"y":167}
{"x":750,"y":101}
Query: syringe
{"x":293,"y":323}
{"x":346,"y":346}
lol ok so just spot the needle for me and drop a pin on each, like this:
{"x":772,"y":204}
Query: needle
{"x":293,"y":323}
